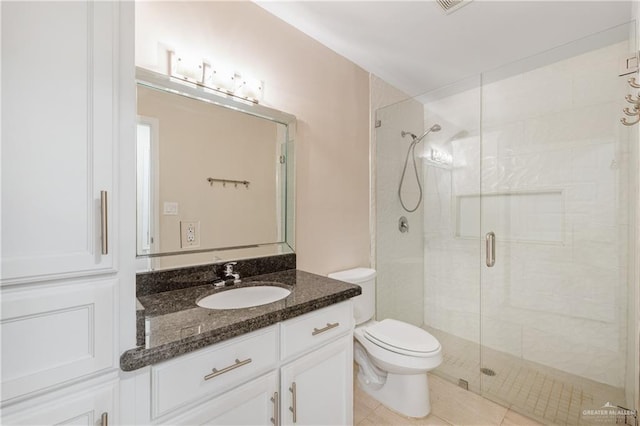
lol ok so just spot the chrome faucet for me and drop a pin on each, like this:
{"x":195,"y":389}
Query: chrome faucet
{"x":229,"y":274}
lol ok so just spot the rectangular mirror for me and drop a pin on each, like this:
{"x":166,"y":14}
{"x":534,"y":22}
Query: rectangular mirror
{"x":214,"y":176}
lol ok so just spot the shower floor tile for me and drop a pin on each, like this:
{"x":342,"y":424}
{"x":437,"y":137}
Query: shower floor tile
{"x":551,"y":396}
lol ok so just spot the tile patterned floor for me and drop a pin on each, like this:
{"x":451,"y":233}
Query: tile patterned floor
{"x":551,"y":396}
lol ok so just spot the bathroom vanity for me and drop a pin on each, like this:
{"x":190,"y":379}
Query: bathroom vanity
{"x":70,"y":240}
{"x":265,"y":364}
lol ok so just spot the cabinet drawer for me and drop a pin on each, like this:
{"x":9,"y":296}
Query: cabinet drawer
{"x":56,"y":334}
{"x":310,"y":330}
{"x":248,"y":404}
{"x":191,"y":377}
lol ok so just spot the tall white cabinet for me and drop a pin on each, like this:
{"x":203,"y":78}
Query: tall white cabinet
{"x":65,"y":137}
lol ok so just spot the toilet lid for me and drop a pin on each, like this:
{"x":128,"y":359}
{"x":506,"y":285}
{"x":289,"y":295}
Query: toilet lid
{"x":400,"y":337}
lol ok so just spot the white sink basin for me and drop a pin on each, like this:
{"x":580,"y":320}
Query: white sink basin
{"x":244,"y":297}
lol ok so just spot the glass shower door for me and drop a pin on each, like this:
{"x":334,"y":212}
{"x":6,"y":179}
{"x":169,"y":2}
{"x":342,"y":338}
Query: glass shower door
{"x":429,"y":275}
{"x":556,"y":222}
{"x":451,"y":176}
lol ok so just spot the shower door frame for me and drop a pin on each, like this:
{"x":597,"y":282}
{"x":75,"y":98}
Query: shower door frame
{"x":554,"y":194}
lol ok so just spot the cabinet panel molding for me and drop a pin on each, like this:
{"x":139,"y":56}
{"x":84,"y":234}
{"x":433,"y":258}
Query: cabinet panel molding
{"x":249,"y":404}
{"x":323,"y":391}
{"x":315,"y":328}
{"x":55,"y":335}
{"x":188,"y":378}
{"x":80,"y":405}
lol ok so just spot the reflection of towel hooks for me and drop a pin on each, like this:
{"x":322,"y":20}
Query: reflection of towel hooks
{"x":225,"y":181}
{"x":635,"y":110}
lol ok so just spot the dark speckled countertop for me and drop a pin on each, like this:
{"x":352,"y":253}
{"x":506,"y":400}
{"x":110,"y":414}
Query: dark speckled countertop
{"x":176,"y":325}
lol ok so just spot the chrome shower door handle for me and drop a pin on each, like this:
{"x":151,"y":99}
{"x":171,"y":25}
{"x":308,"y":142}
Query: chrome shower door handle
{"x":490,"y":248}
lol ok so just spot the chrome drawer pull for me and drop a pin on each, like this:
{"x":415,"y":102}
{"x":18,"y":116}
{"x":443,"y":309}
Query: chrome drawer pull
{"x":276,"y":409}
{"x":217,"y":372}
{"x":490,"y":248}
{"x":294,"y":407}
{"x":323,"y":329}
{"x":104,"y":222}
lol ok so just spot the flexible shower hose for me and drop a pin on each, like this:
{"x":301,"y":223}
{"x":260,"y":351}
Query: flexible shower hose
{"x":411,"y":151}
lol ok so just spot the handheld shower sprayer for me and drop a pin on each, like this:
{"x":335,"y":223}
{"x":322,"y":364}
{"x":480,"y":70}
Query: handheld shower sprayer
{"x":435,"y":128}
{"x":411,"y":150}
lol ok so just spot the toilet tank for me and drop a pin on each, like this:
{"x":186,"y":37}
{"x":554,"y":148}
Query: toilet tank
{"x":364,"y":306}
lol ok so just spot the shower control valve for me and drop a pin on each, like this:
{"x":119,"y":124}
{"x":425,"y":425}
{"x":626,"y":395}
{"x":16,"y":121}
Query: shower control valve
{"x":403,"y":224}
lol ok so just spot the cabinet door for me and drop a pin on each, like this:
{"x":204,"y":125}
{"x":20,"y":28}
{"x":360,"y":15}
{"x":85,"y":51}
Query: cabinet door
{"x":254,"y":403}
{"x":58,"y":129}
{"x":55,"y":334}
{"x":90,"y":407}
{"x":318,"y":387}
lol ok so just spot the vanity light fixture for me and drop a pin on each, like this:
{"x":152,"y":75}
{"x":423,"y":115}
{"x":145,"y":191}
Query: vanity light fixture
{"x":220,"y":78}
{"x":249,"y":88}
{"x":186,"y":69}
{"x":217,"y":78}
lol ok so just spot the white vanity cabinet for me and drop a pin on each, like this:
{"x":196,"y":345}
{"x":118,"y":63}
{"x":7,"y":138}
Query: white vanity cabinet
{"x":317,"y":388}
{"x":304,"y":364}
{"x":67,"y":81}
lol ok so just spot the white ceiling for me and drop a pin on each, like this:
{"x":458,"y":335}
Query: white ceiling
{"x":416,"y":47}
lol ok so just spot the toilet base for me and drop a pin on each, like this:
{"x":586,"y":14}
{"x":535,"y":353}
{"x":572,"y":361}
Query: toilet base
{"x":407,"y":394}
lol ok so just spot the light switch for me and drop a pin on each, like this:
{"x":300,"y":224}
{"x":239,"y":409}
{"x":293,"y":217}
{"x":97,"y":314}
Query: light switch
{"x":170,"y":208}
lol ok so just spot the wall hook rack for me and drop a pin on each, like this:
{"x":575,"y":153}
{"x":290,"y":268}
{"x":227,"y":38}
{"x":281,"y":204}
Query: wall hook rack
{"x":633,"y":111}
{"x":226,"y":181}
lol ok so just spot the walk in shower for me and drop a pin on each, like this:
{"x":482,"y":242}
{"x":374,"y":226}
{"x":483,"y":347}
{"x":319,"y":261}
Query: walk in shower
{"x":533,"y":166}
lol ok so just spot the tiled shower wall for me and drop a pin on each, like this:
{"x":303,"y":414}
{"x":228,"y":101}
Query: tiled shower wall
{"x":552,"y":147}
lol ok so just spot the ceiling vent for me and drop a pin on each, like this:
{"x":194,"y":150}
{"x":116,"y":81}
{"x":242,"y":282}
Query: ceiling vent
{"x":450,"y":6}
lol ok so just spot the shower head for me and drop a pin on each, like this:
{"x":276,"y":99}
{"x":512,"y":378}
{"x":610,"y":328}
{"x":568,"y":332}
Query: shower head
{"x":435,"y":128}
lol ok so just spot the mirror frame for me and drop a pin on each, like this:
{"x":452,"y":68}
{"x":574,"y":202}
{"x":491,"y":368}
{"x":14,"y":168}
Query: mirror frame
{"x":165,"y":83}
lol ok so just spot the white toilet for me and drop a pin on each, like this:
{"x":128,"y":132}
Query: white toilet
{"x":393,"y":356}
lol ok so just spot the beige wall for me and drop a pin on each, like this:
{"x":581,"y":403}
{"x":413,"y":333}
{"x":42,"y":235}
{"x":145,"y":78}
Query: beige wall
{"x":328,"y":94}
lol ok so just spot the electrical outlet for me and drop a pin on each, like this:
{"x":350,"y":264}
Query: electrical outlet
{"x":189,"y":234}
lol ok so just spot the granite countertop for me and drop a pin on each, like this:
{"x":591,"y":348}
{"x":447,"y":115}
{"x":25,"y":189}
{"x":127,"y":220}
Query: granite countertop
{"x":176,"y":325}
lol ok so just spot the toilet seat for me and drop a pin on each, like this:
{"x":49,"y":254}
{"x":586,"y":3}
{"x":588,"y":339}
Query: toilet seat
{"x":402,"y":338}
